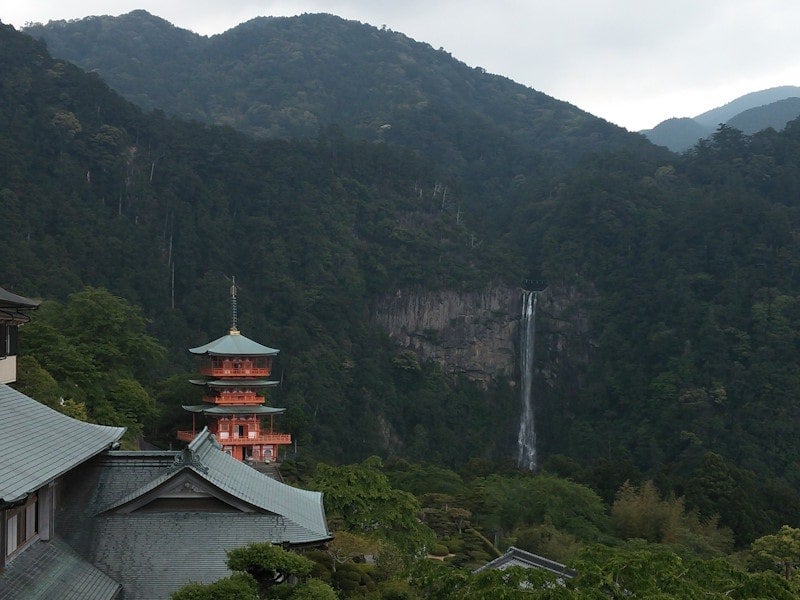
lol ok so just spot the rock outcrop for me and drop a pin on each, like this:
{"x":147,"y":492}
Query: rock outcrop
{"x":476,"y":334}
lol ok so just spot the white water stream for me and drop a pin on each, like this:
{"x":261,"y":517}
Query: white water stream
{"x":526,"y":440}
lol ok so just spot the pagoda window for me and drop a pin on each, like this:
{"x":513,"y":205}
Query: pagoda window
{"x":242,"y":430}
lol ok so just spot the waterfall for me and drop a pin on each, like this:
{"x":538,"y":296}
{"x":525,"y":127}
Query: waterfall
{"x":526,"y":440}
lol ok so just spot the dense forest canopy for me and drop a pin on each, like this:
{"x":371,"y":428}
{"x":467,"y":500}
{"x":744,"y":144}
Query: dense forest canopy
{"x":687,"y":265}
{"x":288,"y":77}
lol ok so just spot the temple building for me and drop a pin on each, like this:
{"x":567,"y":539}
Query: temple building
{"x":236,"y":370}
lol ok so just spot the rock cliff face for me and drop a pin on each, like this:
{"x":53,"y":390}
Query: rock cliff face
{"x":467,"y":333}
{"x":477,"y":333}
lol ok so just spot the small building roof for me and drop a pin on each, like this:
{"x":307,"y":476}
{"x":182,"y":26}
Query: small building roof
{"x":515,"y":557}
{"x":39,"y":444}
{"x":234,"y":344}
{"x":53,"y":570}
{"x":12,"y":307}
{"x":252,"y":409}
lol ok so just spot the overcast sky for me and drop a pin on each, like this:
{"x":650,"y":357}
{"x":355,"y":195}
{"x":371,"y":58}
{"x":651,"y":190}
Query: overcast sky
{"x":632,"y":62}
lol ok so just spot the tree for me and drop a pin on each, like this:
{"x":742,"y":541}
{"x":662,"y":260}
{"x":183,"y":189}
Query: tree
{"x":239,"y":586}
{"x":346,"y":546}
{"x":313,"y":589}
{"x":361,"y":496}
{"x":268,"y":564}
{"x":641,"y":570}
{"x":97,"y":349}
{"x":639,"y":512}
{"x":782,"y":549}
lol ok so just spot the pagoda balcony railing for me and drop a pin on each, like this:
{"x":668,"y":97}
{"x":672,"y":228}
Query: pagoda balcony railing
{"x":226,"y":439}
{"x":236,"y":399}
{"x":233,"y":372}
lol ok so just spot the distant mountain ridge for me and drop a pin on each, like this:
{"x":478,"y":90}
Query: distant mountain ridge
{"x":773,"y":107}
{"x":287,"y":77}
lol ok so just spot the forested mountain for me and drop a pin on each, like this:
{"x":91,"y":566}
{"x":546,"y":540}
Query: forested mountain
{"x":96,"y":193}
{"x":749,"y":113}
{"x":287,"y":77}
{"x":687,"y":268}
{"x":774,"y":115}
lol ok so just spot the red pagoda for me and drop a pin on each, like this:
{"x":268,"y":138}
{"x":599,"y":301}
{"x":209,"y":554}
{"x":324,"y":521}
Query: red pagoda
{"x":236,"y":370}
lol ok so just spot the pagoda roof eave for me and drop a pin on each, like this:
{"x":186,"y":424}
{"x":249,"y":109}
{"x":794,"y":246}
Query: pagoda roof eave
{"x":224,"y":383}
{"x":234,"y":344}
{"x":252,"y":409}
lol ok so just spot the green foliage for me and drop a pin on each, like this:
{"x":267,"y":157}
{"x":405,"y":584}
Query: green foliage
{"x":440,"y":583}
{"x":641,"y":571}
{"x":346,"y":546}
{"x":83,"y":358}
{"x":239,"y":586}
{"x":267,"y":563}
{"x":361,"y":497}
{"x":506,"y":503}
{"x":313,"y":589}
{"x":547,"y":540}
{"x":639,"y":512}
{"x":781,"y":549}
{"x":420,"y":478}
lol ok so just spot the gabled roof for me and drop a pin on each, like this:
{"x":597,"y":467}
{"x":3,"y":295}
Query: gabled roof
{"x":205,"y":458}
{"x":39,"y":444}
{"x":515,"y":557}
{"x":234,"y":344}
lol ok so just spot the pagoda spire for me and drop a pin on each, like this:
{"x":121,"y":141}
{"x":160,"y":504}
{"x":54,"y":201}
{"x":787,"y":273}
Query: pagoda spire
{"x":234,"y":329}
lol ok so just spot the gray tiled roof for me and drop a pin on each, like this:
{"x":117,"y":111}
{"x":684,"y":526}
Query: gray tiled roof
{"x":52,"y":570}
{"x":154,"y":553}
{"x":38,"y":444}
{"x":234,"y":344}
{"x":515,"y":557}
{"x":303,"y":509}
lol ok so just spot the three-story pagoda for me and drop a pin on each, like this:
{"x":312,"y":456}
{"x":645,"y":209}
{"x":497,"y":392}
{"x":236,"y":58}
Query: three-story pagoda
{"x":236,"y":372}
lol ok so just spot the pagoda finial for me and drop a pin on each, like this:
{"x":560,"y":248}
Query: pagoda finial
{"x":234,"y":330}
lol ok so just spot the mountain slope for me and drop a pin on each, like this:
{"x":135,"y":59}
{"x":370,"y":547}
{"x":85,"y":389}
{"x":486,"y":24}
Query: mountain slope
{"x":715,"y":116}
{"x":775,"y":115}
{"x":677,"y":134}
{"x":287,"y":77}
